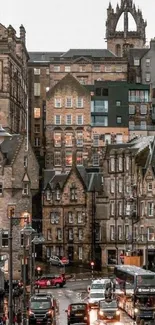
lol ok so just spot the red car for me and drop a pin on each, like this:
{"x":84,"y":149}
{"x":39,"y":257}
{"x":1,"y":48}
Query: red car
{"x":46,"y":281}
{"x":64,"y":260}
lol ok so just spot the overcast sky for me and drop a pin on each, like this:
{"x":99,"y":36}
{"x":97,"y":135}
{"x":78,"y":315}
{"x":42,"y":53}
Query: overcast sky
{"x":58,"y":25}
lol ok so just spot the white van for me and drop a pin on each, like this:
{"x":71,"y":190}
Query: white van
{"x":100,"y":284}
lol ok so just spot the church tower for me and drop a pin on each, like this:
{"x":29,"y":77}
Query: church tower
{"x":119,"y":42}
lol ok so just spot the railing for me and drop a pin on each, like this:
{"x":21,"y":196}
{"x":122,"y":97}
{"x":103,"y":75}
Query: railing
{"x":142,"y":128}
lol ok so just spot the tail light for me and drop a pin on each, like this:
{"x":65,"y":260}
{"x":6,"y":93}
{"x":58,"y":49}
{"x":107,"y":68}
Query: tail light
{"x":69,"y":311}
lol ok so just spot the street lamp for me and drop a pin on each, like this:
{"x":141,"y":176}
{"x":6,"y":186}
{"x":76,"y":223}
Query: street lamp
{"x":26,"y":231}
{"x":37,"y":240}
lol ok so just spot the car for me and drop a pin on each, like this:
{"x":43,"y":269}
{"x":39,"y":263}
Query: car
{"x":64,"y":260}
{"x":55,"y":260}
{"x":55,"y":280}
{"x":42,"y":310}
{"x":108,"y":310}
{"x":78,"y":313}
{"x":100,"y":284}
{"x":94,"y":298}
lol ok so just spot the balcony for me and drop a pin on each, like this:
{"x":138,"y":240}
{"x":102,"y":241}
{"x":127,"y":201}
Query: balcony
{"x":142,"y":128}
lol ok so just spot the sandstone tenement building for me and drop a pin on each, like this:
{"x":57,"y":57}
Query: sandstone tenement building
{"x":19,"y":174}
{"x":13,"y":79}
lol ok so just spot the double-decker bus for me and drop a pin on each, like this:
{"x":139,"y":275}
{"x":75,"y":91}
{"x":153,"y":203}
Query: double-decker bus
{"x":140,"y":305}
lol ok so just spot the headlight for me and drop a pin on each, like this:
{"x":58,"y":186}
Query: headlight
{"x":101,"y":313}
{"x":31,"y":313}
{"x":49,"y":312}
{"x":117,"y":312}
{"x":136,"y":310}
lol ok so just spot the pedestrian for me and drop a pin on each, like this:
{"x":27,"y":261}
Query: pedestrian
{"x":19,"y":317}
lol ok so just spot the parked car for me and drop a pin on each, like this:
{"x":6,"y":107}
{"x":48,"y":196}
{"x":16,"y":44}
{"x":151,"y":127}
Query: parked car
{"x":55,"y":280}
{"x":64,"y":260}
{"x":78,"y":313}
{"x":54,"y":260}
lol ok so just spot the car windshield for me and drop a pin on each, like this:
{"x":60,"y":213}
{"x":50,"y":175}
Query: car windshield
{"x":97,"y":295}
{"x":78,"y":307}
{"x":40,"y":304}
{"x":107,"y":304}
{"x":98,"y":286}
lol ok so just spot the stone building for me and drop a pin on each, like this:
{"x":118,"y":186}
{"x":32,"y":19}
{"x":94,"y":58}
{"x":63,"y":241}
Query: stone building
{"x":47,"y":69}
{"x":69,"y":208}
{"x":128,"y":174}
{"x":19,"y":173}
{"x":119,"y":42}
{"x":13,"y":79}
{"x":68,"y":125}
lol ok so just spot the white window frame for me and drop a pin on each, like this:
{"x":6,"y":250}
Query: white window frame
{"x":37,"y":142}
{"x":47,"y":71}
{"x":57,"y":102}
{"x":112,"y":164}
{"x":68,"y":102}
{"x":79,"y":139}
{"x":59,"y":233}
{"x":68,"y":119}
{"x":81,"y":119}
{"x":56,"y":68}
{"x":118,"y":68}
{"x":107,"y":138}
{"x":56,"y":119}
{"x":120,"y":185}
{"x":127,"y":232}
{"x":143,"y":109}
{"x":118,"y":137}
{"x":37,"y":89}
{"x":131,"y":109}
{"x":150,"y":208}
{"x":136,"y":62}
{"x":143,"y":125}
{"x":25,"y":190}
{"x":48,"y":195}
{"x":80,"y":234}
{"x":25,"y":165}
{"x":67,"y":68}
{"x":151,"y":233}
{"x":120,"y":208}
{"x":112,"y":232}
{"x":70,"y":234}
{"x":108,"y":68}
{"x":58,"y":194}
{"x":149,"y":186}
{"x":120,"y":164}
{"x":112,"y":186}
{"x":36,"y":71}
{"x":147,"y":76}
{"x":70,"y":217}
{"x":69,"y":135}
{"x":148,"y":61}
{"x":120,"y":232}
{"x":5,"y":232}
{"x":49,"y":234}
{"x":95,"y":140}
{"x":80,"y":252}
{"x":97,"y":68}
{"x":54,"y":217}
{"x":127,"y":162}
{"x":79,"y":102}
{"x":112,"y":208}
{"x":79,"y":217}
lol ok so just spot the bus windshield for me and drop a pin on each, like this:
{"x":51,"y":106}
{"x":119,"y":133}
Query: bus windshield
{"x":145,"y":280}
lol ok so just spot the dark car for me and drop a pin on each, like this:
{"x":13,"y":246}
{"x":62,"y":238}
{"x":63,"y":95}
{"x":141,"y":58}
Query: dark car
{"x":42,"y":310}
{"x":78,"y":313}
{"x":108,"y":310}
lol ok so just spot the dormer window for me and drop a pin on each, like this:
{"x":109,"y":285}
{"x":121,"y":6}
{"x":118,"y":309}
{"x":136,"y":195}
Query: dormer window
{"x":25,"y":188}
{"x":73,"y":193}
{"x":58,"y":194}
{"x":48,"y":195}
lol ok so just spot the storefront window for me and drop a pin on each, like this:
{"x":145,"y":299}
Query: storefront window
{"x":68,"y":139}
{"x":57,"y":139}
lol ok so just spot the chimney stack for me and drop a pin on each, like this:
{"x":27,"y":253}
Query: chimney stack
{"x":22,"y":34}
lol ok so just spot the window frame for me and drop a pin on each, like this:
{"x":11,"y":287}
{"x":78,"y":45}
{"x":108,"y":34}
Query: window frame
{"x":70,"y":117}
{"x":25,"y":187}
{"x":67,"y":104}
{"x":77,"y":102}
{"x":5,"y":233}
{"x":55,"y":118}
{"x":57,"y":102}
{"x":77,"y":119}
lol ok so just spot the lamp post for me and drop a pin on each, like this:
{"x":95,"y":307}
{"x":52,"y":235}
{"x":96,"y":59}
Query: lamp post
{"x":27,"y":231}
{"x":37,"y":240}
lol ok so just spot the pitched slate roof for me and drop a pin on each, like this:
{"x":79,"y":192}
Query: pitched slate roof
{"x":10,"y":147}
{"x":96,"y":53}
{"x":137,"y":53}
{"x":43,"y":56}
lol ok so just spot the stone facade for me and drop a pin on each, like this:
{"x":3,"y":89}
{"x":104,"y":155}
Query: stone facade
{"x":13,"y":79}
{"x":72,"y":130}
{"x":129,"y":178}
{"x":19,"y":182}
{"x":68,"y":222}
{"x":119,"y":42}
